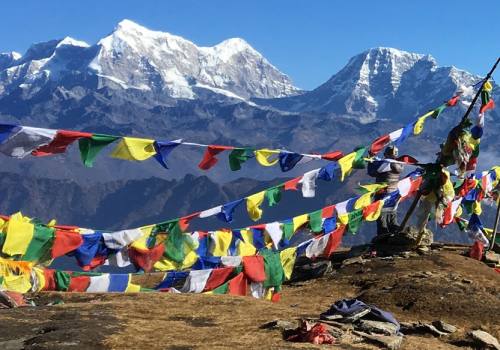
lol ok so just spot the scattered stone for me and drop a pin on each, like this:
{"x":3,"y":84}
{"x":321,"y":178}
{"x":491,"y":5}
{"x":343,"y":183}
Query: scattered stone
{"x":344,"y":326}
{"x":433,"y":330}
{"x":389,"y":342}
{"x":428,"y":273}
{"x":280,"y":324}
{"x":423,"y":250}
{"x":378,"y":327}
{"x":485,"y":339}
{"x":492,"y":257}
{"x":405,"y":255}
{"x":352,"y":261}
{"x":444,"y":327}
{"x":466,"y":281}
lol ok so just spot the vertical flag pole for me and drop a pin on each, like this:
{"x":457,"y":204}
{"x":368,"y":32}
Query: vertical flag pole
{"x":466,"y":115}
{"x":495,"y":228}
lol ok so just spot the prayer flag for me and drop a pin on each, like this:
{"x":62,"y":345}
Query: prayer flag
{"x":60,"y":143}
{"x":90,"y":147}
{"x":131,"y":148}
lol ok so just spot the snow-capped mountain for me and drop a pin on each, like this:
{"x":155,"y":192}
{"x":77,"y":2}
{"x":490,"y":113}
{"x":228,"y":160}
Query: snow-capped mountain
{"x":383,"y":83}
{"x":133,"y":57}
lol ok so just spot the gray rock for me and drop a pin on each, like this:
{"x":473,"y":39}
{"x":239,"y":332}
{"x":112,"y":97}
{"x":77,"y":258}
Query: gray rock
{"x":444,"y":327}
{"x":485,"y":339}
{"x":492,"y":257}
{"x":389,"y":342}
{"x":352,"y":261}
{"x":433,"y":330}
{"x":378,"y":327}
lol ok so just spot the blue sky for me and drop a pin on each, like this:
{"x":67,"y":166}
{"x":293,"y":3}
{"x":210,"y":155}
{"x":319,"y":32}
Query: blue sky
{"x":308,"y":40}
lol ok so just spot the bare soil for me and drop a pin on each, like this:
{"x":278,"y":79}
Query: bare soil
{"x":441,"y":286}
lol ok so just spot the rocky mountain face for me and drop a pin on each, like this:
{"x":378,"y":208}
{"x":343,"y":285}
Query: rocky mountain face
{"x":138,"y":82}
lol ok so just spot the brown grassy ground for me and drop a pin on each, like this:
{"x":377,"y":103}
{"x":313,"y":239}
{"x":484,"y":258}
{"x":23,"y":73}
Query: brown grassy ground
{"x":459,"y":290}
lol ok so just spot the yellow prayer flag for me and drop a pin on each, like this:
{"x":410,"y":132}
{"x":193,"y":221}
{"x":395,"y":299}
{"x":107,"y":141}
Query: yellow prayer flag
{"x":477,"y":208}
{"x":263,"y":156}
{"x":20,"y":284}
{"x":141,"y":242}
{"x":343,"y":219}
{"x":19,"y":235}
{"x":165,"y":265}
{"x":419,"y":125}
{"x":345,"y":164}
{"x":287,"y":258}
{"x":374,"y":215}
{"x":130,"y":148}
{"x":222,"y":241}
{"x":373,"y":187}
{"x":487,"y":86}
{"x":300,"y":220}
{"x":40,"y":276}
{"x":253,"y":205}
{"x":246,"y":247}
{"x":363,"y":201}
{"x":131,"y":287}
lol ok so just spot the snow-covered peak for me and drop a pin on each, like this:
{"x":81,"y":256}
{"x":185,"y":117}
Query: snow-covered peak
{"x":72,"y":42}
{"x":230,"y":47}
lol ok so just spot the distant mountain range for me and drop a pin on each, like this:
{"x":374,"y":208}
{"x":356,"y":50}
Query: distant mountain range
{"x":139,"y":82}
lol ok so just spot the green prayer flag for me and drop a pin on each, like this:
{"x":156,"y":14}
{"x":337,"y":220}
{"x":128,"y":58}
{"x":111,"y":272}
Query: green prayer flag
{"x":90,"y":147}
{"x":288,"y":230}
{"x":144,"y":289}
{"x":438,"y":111}
{"x":2,"y":239}
{"x":273,"y":268}
{"x":174,"y":244}
{"x":40,"y":245}
{"x":355,"y":220}
{"x":359,"y":161}
{"x":239,"y":156}
{"x":273,"y":196}
{"x":315,"y":221}
{"x":62,"y":280}
{"x":222,"y":289}
{"x":461,"y":225}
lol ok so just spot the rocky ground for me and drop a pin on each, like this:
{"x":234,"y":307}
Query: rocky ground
{"x":417,"y":289}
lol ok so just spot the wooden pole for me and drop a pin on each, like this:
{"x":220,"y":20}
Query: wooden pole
{"x":488,"y":76}
{"x":495,"y":228}
{"x":466,"y":115}
{"x":410,"y":211}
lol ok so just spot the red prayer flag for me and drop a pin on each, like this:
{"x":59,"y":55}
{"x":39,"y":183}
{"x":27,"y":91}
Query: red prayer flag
{"x":209,"y":159}
{"x":184,"y":221}
{"x":78,"y":283}
{"x":238,"y":285}
{"x":65,"y":242}
{"x":379,"y":144}
{"x":334,"y":241}
{"x":488,"y":106}
{"x":407,"y":159}
{"x":50,"y":282}
{"x":217,"y":278}
{"x":336,"y":155}
{"x":63,"y":139}
{"x":97,"y":261}
{"x":327,"y":212}
{"x":146,"y":258}
{"x":291,"y":185}
{"x":253,"y":267}
{"x":453,"y":101}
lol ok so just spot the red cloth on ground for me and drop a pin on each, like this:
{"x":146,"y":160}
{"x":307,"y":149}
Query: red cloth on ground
{"x":238,"y":285}
{"x":65,"y":242}
{"x":145,"y":259}
{"x":253,"y":267}
{"x":334,"y":241}
{"x":63,"y":139}
{"x":217,"y":278}
{"x":79,"y":283}
{"x":50,"y":282}
{"x":476,"y":251}
{"x":209,"y":159}
{"x":312,"y":333}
